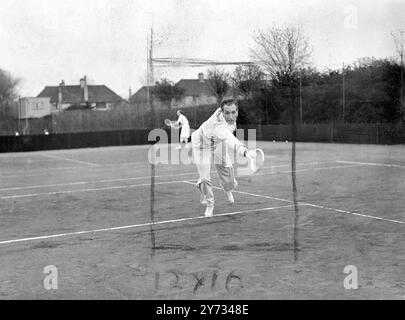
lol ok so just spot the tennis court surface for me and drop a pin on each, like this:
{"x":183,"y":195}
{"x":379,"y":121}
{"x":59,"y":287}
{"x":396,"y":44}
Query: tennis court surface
{"x":88,"y":213}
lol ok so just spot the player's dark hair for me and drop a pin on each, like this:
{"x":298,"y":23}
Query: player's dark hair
{"x":228,"y":102}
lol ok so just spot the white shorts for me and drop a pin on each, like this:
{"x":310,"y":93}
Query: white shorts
{"x":185,"y":131}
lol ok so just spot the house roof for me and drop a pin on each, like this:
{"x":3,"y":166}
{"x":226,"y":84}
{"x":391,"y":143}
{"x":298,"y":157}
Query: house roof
{"x":141,"y":94}
{"x":194,"y":87}
{"x":74,"y":94}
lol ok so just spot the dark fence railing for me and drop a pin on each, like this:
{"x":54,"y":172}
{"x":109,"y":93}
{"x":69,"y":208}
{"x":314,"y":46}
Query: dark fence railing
{"x":74,"y":140}
{"x":386,"y":133}
{"x":348,"y":133}
{"x":124,"y":118}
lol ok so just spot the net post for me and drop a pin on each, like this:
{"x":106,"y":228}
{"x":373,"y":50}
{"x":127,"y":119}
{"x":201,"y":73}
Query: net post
{"x":152,"y":199}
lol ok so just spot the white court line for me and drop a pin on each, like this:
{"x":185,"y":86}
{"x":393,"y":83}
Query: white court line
{"x":92,"y":182}
{"x":300,"y":170}
{"x":317,"y":169}
{"x":134,"y":165}
{"x":247,"y":193}
{"x":136,"y":178}
{"x":86,"y":190}
{"x":372,"y":164}
{"x":352,"y":213}
{"x":45,"y":186}
{"x":25,"y":161}
{"x":302,"y":162}
{"x":127,"y":163}
{"x":159,"y":176}
{"x":310,"y":205}
{"x":299,"y":163}
{"x":72,"y":160}
{"x":42,"y":172}
{"x":138,"y":225}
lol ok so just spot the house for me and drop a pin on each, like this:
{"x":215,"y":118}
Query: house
{"x":31,"y":107}
{"x":196,"y":92}
{"x":83,"y":96}
{"x":140,"y":99}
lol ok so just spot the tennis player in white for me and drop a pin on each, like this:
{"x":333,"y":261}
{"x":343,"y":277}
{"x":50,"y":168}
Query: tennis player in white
{"x":182,"y":122}
{"x":213,"y":140}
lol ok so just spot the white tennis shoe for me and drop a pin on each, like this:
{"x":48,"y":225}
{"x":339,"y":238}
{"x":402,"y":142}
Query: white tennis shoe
{"x":209,"y":211}
{"x":229,"y":197}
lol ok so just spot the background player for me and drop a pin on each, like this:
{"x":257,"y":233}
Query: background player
{"x":182,"y":122}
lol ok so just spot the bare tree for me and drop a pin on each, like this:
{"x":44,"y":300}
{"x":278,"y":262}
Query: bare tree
{"x":8,"y":88}
{"x":247,"y":78}
{"x":399,"y":43}
{"x":282,"y":52}
{"x":218,"y":83}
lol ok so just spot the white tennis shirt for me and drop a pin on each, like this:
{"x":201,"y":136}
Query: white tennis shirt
{"x":182,"y":120}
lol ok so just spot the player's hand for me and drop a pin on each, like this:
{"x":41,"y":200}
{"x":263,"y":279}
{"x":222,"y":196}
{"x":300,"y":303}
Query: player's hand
{"x":255,"y":159}
{"x":251,"y":154}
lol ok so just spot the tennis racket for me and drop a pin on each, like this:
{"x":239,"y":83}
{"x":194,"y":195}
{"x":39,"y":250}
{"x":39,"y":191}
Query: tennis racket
{"x":170,"y":123}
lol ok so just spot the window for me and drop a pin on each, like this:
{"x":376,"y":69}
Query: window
{"x":39,"y":106}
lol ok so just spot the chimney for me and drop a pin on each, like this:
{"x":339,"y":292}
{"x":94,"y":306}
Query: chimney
{"x":60,"y":91}
{"x":83,"y":85}
{"x":201,"y":77}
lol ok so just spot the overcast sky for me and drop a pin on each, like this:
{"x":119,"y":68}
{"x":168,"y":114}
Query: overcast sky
{"x":45,"y":41}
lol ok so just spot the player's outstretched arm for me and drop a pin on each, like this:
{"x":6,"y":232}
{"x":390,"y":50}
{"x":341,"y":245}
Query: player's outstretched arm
{"x":232,"y":142}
